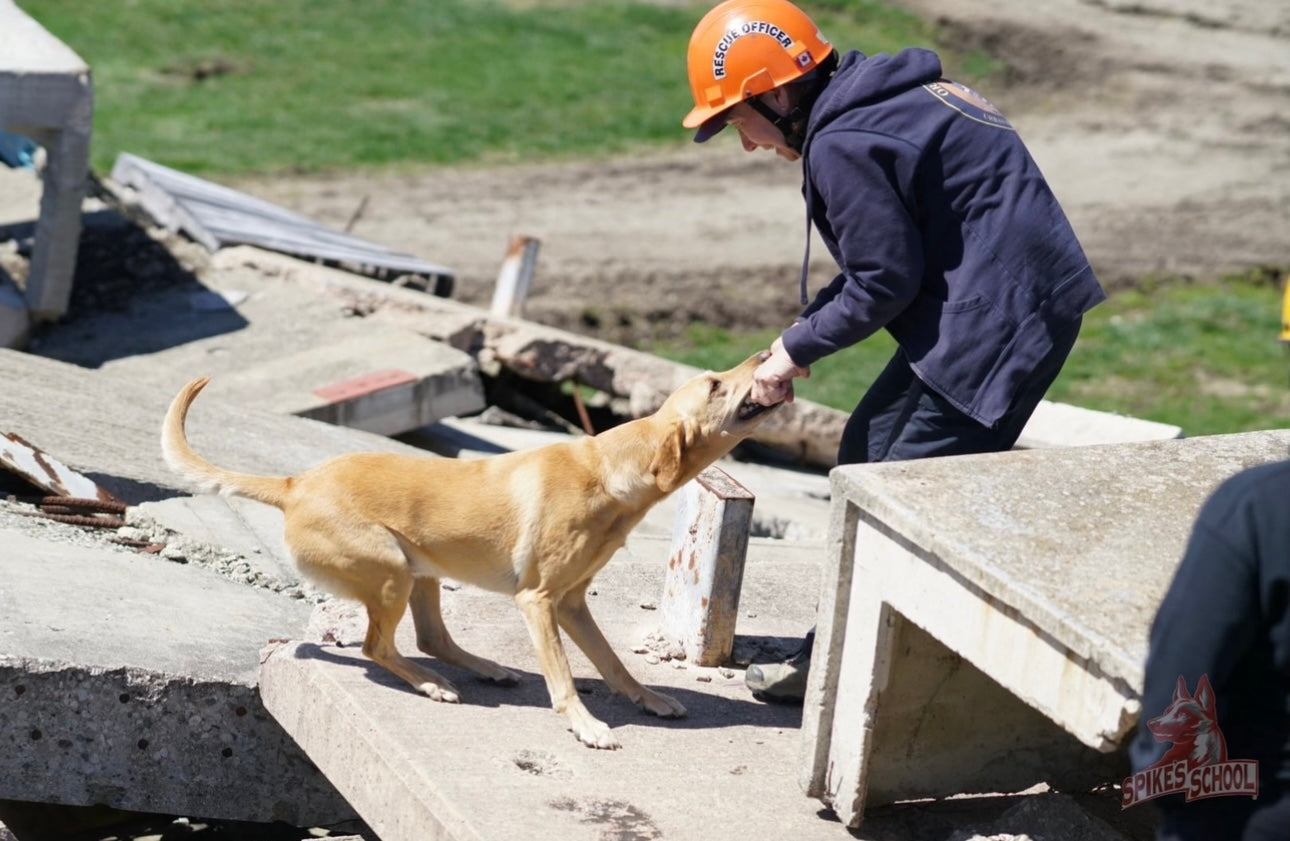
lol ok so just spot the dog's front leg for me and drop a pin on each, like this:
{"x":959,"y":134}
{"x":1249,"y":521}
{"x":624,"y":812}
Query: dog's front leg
{"x":539,"y":615}
{"x":576,"y":619}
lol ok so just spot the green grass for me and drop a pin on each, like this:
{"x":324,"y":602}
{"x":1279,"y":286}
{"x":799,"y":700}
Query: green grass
{"x":1202,"y":356}
{"x":240,"y":86}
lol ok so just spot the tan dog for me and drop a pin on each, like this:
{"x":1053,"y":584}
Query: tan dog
{"x":536,"y":524}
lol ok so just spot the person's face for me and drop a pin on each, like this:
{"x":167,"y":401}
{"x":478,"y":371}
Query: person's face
{"x":756,"y":132}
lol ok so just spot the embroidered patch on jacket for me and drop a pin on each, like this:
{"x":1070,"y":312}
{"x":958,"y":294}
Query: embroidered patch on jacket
{"x":968,"y":102}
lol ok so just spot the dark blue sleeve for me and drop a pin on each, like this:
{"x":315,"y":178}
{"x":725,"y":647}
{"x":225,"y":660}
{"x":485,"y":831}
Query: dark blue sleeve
{"x":1209,"y":616}
{"x":863,"y":180}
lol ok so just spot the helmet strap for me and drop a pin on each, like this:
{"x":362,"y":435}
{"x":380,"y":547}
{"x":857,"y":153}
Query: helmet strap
{"x":791,"y":125}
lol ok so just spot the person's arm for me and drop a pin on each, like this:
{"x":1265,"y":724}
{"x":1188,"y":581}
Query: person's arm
{"x":865,"y":181}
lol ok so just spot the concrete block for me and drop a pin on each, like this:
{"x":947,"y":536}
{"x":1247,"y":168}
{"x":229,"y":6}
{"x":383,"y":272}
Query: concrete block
{"x":130,"y":681}
{"x":705,"y":569}
{"x":1064,"y":425}
{"x":46,"y":93}
{"x":386,"y":383}
{"x":1042,"y":569}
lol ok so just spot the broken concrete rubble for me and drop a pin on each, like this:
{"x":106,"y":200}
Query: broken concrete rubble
{"x":139,"y":690}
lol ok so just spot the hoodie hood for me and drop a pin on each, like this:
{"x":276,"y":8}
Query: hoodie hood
{"x":860,"y":79}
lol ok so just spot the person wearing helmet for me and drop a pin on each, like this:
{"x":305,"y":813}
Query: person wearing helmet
{"x":944,"y":231}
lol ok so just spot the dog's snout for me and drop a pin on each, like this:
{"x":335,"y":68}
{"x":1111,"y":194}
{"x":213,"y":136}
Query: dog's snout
{"x":763,"y":355}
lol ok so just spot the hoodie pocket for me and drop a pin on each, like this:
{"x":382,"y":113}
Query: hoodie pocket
{"x":954,"y":345}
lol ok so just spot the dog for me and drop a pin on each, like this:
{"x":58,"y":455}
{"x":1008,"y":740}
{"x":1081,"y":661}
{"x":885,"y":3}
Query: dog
{"x":1190,"y":723}
{"x":535,"y":524}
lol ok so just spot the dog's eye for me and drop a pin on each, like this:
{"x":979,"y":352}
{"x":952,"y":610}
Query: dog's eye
{"x":714,"y":386}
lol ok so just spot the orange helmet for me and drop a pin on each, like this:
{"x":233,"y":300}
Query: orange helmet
{"x":743,"y":48}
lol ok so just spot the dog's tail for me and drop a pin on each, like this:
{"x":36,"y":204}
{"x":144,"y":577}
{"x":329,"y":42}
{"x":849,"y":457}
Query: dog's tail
{"x":181,"y":458}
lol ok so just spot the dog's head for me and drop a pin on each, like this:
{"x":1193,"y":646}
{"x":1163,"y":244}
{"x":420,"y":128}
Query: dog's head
{"x":704,"y":419}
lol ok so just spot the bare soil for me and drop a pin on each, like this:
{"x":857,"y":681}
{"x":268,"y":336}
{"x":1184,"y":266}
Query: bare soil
{"x":1163,"y":126}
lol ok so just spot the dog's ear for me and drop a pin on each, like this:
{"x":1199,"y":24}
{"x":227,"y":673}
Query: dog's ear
{"x":1204,"y":695}
{"x":1180,"y":690}
{"x":668,"y":465}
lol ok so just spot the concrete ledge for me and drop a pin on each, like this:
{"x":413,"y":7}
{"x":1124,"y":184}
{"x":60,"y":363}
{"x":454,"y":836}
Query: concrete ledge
{"x":433,"y":381}
{"x":1064,"y":425}
{"x":130,"y":681}
{"x":1041,"y":569}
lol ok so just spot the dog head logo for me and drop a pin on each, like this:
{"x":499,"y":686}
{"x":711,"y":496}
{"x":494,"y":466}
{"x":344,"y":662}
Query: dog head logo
{"x":1190,"y":723}
{"x":1196,"y":763}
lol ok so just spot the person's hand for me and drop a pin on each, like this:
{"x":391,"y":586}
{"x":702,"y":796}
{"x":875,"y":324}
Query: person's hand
{"x":773,"y":379}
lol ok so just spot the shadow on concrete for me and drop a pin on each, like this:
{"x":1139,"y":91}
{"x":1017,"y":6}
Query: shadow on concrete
{"x":130,"y":295}
{"x":706,"y":710}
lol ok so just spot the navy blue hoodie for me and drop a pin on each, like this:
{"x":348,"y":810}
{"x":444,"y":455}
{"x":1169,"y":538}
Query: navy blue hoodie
{"x":1226,"y":617}
{"x":945,"y":230}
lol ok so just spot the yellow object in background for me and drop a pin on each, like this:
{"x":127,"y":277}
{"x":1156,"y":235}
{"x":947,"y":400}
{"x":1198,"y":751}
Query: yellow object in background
{"x":1285,"y":311}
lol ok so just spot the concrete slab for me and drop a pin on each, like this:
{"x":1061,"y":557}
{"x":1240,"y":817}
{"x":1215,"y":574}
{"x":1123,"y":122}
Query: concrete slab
{"x":959,"y":588}
{"x":130,"y":681}
{"x":107,"y":426}
{"x":249,"y":528}
{"x":335,"y":383}
{"x":46,"y":93}
{"x":502,"y":765}
{"x":275,"y":346}
{"x":1064,"y":425}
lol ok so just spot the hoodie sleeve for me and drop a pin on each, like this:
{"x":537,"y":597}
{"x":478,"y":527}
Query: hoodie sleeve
{"x":861,"y":180}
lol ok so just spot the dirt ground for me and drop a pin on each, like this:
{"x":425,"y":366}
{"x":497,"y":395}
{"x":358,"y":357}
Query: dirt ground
{"x":1163,"y":126}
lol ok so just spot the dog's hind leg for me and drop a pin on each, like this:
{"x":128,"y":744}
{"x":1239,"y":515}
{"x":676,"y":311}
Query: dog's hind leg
{"x":539,"y":615}
{"x":576,"y":620}
{"x":384,"y":610}
{"x":433,"y":637}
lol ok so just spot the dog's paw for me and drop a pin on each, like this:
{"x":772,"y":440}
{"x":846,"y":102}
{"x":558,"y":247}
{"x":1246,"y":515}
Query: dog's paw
{"x":445,"y":693}
{"x":663,"y":706}
{"x":601,"y":737}
{"x":591,"y":731}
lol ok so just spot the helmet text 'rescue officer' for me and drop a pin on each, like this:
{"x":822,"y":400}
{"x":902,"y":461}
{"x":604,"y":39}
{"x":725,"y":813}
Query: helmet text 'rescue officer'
{"x":743,"y":48}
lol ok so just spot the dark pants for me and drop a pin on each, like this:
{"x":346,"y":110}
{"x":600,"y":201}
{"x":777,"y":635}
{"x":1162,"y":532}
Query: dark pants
{"x":900,"y":418}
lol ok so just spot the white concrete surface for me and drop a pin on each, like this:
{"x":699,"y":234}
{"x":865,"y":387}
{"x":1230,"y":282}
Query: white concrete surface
{"x":1040,"y":569}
